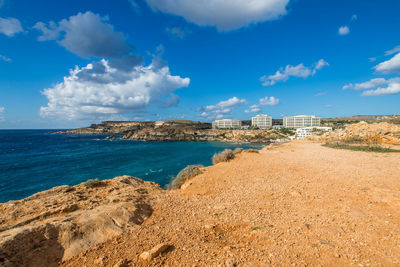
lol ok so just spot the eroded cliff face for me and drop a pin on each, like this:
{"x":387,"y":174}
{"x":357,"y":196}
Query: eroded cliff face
{"x":59,"y":223}
{"x":177,"y":130}
{"x":168,"y":134}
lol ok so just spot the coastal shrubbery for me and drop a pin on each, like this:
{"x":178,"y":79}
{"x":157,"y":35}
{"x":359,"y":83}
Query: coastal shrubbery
{"x":184,"y":175}
{"x":238,"y":150}
{"x":224,"y":156}
{"x":253,"y":151}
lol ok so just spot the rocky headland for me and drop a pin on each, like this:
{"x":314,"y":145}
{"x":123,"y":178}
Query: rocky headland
{"x":177,"y":130}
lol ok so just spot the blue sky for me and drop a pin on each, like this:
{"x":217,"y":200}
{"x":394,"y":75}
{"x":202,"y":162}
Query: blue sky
{"x":70,"y":63}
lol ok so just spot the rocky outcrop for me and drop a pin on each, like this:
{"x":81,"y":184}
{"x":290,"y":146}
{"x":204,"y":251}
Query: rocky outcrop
{"x":125,"y":127}
{"x":177,"y":131}
{"x":363,"y":132}
{"x":59,"y":223}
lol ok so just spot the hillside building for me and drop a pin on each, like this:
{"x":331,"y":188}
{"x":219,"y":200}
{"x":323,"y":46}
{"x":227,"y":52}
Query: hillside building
{"x":301,"y":121}
{"x":227,"y":124}
{"x":261,"y":121}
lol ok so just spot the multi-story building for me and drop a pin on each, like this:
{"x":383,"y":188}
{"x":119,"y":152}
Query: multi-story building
{"x":261,"y":121}
{"x":308,"y":131}
{"x":227,"y":124}
{"x":301,"y":121}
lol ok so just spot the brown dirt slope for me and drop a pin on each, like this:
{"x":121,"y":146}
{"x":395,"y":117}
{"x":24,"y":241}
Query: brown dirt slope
{"x":59,"y":223}
{"x":375,"y":133}
{"x":295,"y":203}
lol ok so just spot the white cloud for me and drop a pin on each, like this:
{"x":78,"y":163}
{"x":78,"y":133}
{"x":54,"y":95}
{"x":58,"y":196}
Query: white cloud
{"x":378,"y":86}
{"x":372,"y":59}
{"x":224,"y":15}
{"x":392,"y":88}
{"x":344,"y":30}
{"x":393,"y":51}
{"x":4,"y":58}
{"x":10,"y":26}
{"x":253,"y":109}
{"x":266,"y":101}
{"x":354,"y":17}
{"x":366,"y":85}
{"x":390,"y":66}
{"x":2,"y":110}
{"x":221,"y":109}
{"x":102,"y":88}
{"x":269,"y":101}
{"x":87,"y":35}
{"x":300,"y":71}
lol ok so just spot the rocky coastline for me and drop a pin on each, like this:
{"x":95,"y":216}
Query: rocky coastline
{"x":177,"y":130}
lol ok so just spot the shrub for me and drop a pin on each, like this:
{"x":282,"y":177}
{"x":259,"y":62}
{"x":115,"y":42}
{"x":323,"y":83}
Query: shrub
{"x":224,"y":156}
{"x":238,"y":150}
{"x":253,"y":151}
{"x":93,"y":183}
{"x":184,"y":175}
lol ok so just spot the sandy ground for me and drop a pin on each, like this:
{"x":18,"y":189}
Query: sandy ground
{"x":295,"y":203}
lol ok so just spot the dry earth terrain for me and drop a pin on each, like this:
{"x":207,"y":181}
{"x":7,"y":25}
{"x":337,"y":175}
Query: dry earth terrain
{"x":294,"y":203}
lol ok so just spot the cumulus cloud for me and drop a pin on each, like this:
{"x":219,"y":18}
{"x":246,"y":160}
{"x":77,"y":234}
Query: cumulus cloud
{"x":221,"y":109}
{"x":85,"y":34}
{"x":266,"y":101}
{"x":300,"y":71}
{"x":253,"y":109}
{"x":4,"y":58}
{"x":10,"y":26}
{"x":378,"y":86}
{"x":269,"y":101}
{"x":390,"y":66}
{"x":224,"y":15}
{"x":344,"y":30}
{"x":101,"y":89}
{"x":393,"y":51}
{"x":2,"y":109}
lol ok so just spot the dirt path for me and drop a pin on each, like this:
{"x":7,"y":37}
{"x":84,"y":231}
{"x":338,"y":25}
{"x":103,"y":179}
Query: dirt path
{"x":296,"y":203}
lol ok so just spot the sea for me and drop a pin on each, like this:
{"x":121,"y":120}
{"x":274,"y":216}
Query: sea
{"x":35,"y":160}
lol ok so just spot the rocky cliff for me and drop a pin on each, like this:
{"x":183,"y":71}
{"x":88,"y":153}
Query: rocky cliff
{"x":177,"y":131}
{"x":59,"y":223}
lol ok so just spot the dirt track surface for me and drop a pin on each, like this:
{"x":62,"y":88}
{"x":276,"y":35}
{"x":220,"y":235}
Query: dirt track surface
{"x":295,"y":203}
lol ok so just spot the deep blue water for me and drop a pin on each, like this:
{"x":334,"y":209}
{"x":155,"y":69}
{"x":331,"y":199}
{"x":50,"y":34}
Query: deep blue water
{"x":33,"y":160}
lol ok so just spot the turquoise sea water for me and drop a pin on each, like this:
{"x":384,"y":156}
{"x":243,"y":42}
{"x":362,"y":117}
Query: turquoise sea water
{"x":33,"y":160}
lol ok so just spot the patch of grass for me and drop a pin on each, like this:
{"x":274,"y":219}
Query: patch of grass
{"x":376,"y":149}
{"x":184,"y":175}
{"x":217,"y":214}
{"x":256,"y":228}
{"x":224,"y":156}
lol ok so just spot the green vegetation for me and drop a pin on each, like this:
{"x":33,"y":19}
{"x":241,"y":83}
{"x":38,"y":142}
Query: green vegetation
{"x":256,"y":228}
{"x":287,"y":131}
{"x":224,"y":156}
{"x":184,"y":175}
{"x":374,"y":148}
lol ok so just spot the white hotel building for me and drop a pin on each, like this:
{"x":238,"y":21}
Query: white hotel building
{"x":261,"y":121}
{"x":227,"y":124}
{"x":301,"y":121}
